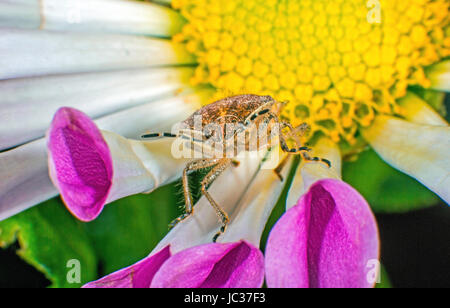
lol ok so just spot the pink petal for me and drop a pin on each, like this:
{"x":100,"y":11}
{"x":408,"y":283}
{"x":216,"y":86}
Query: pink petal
{"x":139,"y":275}
{"x":80,"y":163}
{"x":330,"y":239}
{"x":232,"y":265}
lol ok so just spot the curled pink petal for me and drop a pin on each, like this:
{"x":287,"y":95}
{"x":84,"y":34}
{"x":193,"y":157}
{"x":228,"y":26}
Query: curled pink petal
{"x":80,"y":163}
{"x":139,"y":275}
{"x":232,"y":265}
{"x":330,"y":239}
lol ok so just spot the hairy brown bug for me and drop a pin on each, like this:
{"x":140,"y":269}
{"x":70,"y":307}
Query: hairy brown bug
{"x":225,"y":128}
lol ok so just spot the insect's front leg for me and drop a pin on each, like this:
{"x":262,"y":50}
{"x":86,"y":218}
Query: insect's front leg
{"x":302,"y":150}
{"x":189,"y":203}
{"x":295,"y":132}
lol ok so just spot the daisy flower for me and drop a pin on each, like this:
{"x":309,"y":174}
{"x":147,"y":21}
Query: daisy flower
{"x":96,"y":75}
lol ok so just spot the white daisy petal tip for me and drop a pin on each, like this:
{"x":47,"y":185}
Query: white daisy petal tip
{"x":230,"y":265}
{"x":80,"y":163}
{"x":92,"y":168}
{"x":139,"y":275}
{"x":328,"y":240}
{"x":421,"y":151}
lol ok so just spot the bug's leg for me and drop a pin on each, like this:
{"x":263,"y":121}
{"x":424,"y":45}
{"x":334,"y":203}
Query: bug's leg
{"x":308,"y":158}
{"x":299,"y":131}
{"x":280,"y":167}
{"x":303,"y":151}
{"x":285,"y":147}
{"x":281,"y":106}
{"x":292,"y":133}
{"x":270,"y":116}
{"x":158,"y":135}
{"x":189,"y":203}
{"x":283,"y":139}
{"x":210,"y":178}
{"x":273,"y":117}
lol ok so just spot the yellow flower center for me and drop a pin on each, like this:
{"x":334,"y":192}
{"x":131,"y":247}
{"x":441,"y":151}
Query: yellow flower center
{"x":337,"y":62}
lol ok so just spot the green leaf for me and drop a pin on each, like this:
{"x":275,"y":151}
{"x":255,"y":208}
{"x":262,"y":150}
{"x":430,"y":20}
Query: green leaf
{"x":128,"y":229}
{"x":125,"y":232}
{"x":386,"y":189}
{"x":49,"y":237}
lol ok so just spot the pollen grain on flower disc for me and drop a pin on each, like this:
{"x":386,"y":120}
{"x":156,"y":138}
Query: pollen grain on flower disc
{"x":335,"y":67}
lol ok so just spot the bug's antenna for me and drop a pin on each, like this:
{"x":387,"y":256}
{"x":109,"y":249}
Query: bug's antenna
{"x":158,"y":135}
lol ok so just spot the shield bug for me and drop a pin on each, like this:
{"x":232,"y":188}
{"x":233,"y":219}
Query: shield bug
{"x":223,"y":129}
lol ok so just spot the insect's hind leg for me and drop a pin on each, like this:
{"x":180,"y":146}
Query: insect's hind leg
{"x":210,"y":178}
{"x":189,"y":203}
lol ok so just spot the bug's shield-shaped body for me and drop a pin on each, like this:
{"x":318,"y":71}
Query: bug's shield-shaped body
{"x":230,"y":126}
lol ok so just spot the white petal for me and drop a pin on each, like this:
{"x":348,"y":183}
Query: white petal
{"x":310,"y":172}
{"x":154,"y":117}
{"x":115,"y":16}
{"x":102,"y":16}
{"x":25,"y":53}
{"x":90,"y":173}
{"x":141,"y":166}
{"x":439,"y":75}
{"x":418,"y":150}
{"x":250,"y":218}
{"x":228,"y":190}
{"x":24,"y":171}
{"x":24,"y":178}
{"x":34,"y":101}
{"x":20,"y":13}
{"x":418,"y":111}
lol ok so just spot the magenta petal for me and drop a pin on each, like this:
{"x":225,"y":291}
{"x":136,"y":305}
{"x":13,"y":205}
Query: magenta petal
{"x":330,"y":239}
{"x":80,"y":163}
{"x":139,"y":275}
{"x":232,"y":265}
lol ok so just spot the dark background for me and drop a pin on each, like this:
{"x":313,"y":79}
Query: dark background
{"x":415,"y":247}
